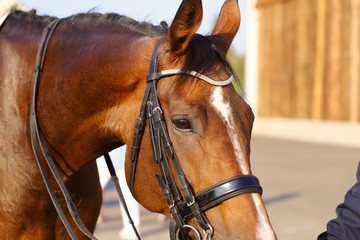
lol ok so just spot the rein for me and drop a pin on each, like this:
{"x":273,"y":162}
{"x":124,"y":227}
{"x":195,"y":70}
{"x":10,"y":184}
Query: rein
{"x":37,"y":140}
{"x":184,"y":204}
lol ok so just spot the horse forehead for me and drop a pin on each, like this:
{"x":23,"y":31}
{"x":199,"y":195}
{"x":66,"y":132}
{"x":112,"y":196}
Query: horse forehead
{"x":223,"y":102}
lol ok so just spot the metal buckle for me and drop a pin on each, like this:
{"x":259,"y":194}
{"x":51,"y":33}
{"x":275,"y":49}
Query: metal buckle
{"x":197,"y":233}
{"x":172,"y":204}
{"x":157,"y":108}
{"x":210,"y":234}
{"x":191,"y":203}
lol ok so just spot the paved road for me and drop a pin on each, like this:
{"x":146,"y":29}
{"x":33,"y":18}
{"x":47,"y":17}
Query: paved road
{"x":153,"y":226}
{"x":303,"y":183}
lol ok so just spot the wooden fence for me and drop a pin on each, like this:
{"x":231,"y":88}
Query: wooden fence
{"x":309,"y":59}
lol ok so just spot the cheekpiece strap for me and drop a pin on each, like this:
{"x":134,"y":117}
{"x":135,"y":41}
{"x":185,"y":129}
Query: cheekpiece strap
{"x":141,"y":121}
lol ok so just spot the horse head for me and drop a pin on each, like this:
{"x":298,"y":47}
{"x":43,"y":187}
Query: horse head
{"x":209,"y":126}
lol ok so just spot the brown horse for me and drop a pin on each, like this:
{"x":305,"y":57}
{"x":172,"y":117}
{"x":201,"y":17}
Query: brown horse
{"x":90,"y":93}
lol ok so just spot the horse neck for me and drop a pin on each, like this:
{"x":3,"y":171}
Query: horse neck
{"x":97,"y":96}
{"x":18,"y":43}
{"x":90,"y":89}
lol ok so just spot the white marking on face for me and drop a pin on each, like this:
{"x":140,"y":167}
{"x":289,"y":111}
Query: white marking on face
{"x":264,"y":230}
{"x":224,"y":109}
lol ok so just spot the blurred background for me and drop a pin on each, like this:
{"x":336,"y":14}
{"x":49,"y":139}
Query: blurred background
{"x":299,"y":61}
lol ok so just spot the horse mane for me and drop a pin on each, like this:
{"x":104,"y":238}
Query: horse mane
{"x":95,"y":19}
{"x":116,"y":19}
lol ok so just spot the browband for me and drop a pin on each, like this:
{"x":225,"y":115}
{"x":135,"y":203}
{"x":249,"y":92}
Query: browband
{"x":171,"y":72}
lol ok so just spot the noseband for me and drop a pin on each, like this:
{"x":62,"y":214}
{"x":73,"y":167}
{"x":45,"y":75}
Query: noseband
{"x":184,"y":204}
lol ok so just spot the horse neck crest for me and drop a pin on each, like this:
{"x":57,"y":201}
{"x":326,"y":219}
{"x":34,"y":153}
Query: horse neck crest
{"x":7,"y":6}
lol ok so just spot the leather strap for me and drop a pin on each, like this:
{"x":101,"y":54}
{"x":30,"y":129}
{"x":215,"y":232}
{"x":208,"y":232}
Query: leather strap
{"x":115,"y":181}
{"x":141,"y":124}
{"x":38,"y":140}
{"x":223,"y":191}
{"x":172,"y":72}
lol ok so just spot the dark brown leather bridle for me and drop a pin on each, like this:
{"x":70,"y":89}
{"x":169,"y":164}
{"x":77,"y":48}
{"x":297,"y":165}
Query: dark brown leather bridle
{"x":191,"y":205}
{"x":184,"y":204}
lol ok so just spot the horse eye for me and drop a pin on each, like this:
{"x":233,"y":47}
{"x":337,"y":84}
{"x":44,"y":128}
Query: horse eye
{"x":182,"y":124}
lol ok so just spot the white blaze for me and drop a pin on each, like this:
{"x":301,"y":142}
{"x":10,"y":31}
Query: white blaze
{"x":224,"y":109}
{"x":264,"y":230}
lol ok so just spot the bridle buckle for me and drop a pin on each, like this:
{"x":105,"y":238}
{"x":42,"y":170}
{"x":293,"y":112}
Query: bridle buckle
{"x":197,"y":233}
{"x":189,"y":204}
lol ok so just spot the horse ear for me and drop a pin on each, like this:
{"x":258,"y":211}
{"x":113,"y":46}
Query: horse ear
{"x":184,"y":26}
{"x":228,"y":23}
